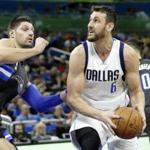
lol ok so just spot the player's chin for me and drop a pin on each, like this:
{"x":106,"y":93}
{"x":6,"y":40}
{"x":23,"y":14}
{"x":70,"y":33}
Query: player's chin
{"x":28,"y":45}
{"x":91,"y":38}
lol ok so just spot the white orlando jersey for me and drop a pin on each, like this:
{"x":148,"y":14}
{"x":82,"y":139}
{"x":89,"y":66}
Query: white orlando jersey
{"x":104,"y":86}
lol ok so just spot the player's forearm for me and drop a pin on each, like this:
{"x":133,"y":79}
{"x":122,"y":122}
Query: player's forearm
{"x":80,"y":106}
{"x":12,"y":55}
{"x":40,"y":103}
{"x":138,"y":99}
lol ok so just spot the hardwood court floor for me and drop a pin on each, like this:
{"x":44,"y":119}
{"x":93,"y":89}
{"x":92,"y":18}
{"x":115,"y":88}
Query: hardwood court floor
{"x":143,"y":145}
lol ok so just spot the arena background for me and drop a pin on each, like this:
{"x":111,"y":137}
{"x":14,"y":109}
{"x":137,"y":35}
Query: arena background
{"x":64,"y":23}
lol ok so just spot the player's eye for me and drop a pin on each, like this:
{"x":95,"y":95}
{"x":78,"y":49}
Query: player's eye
{"x":96,"y":20}
{"x":25,"y":29}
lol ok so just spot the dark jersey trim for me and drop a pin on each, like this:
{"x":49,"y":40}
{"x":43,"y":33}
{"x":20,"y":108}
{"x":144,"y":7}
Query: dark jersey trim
{"x":86,"y":55}
{"x":121,"y":54}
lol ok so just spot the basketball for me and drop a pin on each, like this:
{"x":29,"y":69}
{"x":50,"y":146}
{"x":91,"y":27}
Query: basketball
{"x":129,"y":124}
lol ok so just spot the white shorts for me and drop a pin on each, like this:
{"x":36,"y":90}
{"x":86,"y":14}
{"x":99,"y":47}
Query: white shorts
{"x":114,"y":142}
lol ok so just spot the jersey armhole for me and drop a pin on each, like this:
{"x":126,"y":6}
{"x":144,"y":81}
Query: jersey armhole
{"x":122,"y":62}
{"x":86,"y":54}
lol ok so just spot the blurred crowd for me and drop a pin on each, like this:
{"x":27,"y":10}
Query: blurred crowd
{"x":50,"y":75}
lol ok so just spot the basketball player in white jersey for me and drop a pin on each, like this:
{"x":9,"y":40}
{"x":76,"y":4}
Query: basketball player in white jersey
{"x":100,"y":71}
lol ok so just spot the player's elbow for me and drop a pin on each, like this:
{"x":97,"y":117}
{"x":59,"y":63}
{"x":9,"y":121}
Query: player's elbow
{"x":71,"y":100}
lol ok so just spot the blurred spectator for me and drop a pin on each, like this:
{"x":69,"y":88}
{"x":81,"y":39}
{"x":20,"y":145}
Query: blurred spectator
{"x":20,"y":136}
{"x":62,"y":63}
{"x":57,"y":40}
{"x":15,"y":107}
{"x":63,"y":122}
{"x":142,"y":15}
{"x":40,"y":132}
{"x":50,"y":61}
{"x":63,"y":80}
{"x":55,"y":83}
{"x":42,"y":116}
{"x":25,"y":114}
{"x":40,"y":84}
{"x":58,"y":113}
{"x":69,"y":43}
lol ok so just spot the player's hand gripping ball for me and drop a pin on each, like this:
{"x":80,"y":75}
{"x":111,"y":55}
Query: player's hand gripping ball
{"x":129,"y":124}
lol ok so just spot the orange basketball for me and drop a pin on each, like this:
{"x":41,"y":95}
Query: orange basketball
{"x":129,"y":124}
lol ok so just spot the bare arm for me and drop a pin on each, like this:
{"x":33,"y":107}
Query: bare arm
{"x":133,"y":81}
{"x":9,"y":54}
{"x":75,"y":86}
{"x":4,"y":144}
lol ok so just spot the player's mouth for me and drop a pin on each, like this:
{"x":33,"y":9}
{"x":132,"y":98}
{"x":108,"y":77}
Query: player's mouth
{"x":90,"y":32}
{"x":30,"y":40}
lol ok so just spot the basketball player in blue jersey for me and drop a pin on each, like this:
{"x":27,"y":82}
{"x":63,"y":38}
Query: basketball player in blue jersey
{"x":144,"y":70}
{"x":100,"y":72}
{"x":14,"y":80}
{"x":12,"y":55}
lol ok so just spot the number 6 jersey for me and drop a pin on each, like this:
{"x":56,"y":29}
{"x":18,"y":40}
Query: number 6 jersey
{"x":104,"y":85}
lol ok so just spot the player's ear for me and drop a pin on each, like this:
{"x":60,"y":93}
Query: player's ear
{"x":11,"y":34}
{"x":110,"y":26}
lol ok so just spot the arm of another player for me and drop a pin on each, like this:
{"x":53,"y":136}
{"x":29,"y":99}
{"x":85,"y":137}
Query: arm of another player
{"x":9,"y":54}
{"x":133,"y":81}
{"x":75,"y":86}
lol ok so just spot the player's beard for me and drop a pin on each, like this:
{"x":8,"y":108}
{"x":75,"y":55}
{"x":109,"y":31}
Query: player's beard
{"x":26,"y":45}
{"x":95,"y":36}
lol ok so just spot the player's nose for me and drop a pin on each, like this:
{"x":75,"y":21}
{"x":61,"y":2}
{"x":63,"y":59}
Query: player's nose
{"x":31,"y":33}
{"x":90,"y":24}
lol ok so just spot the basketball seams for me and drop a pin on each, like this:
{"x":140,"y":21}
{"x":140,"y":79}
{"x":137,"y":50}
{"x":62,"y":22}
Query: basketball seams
{"x":141,"y":124}
{"x":119,"y":115}
{"x":126,"y":127}
{"x":127,"y":122}
{"x":119,"y":112}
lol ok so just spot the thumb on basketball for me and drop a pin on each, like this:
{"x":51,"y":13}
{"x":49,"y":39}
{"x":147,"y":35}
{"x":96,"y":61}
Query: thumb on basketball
{"x":142,"y":113}
{"x":114,"y":116}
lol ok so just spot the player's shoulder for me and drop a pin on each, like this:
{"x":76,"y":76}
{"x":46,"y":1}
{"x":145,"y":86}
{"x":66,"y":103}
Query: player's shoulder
{"x":78,"y":50}
{"x":129,"y":51}
{"x":5,"y":42}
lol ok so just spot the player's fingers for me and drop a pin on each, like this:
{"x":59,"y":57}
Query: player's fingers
{"x":115,"y":117}
{"x":112,"y":115}
{"x":144,"y":125}
{"x":112,"y":125}
{"x":110,"y":128}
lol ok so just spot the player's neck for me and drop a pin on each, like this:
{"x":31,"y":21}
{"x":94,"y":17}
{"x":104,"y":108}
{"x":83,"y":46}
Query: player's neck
{"x":13,"y":43}
{"x":104,"y":45}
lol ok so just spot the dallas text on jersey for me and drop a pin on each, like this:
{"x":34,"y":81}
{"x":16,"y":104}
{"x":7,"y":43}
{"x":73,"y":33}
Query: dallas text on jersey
{"x":102,"y":75}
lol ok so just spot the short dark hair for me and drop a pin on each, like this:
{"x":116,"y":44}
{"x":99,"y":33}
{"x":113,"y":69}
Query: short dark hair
{"x":111,"y":15}
{"x":17,"y":20}
{"x":135,"y":43}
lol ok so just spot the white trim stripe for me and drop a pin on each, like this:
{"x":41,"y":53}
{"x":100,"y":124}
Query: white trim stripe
{"x":8,"y":74}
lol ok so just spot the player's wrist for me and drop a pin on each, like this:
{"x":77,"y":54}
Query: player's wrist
{"x":98,"y":114}
{"x":36,"y":49}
